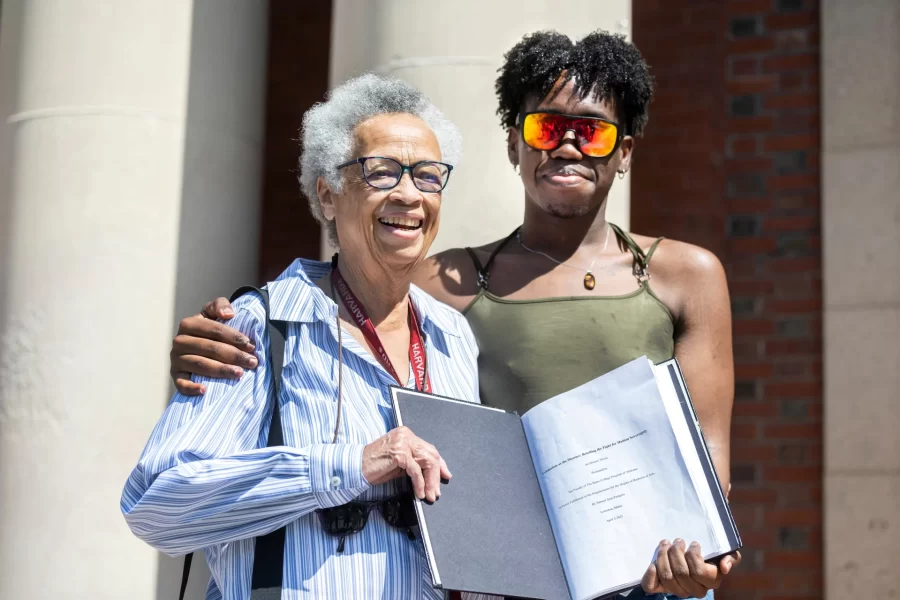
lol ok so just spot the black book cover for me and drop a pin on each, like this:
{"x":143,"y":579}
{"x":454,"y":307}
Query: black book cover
{"x":489,"y":532}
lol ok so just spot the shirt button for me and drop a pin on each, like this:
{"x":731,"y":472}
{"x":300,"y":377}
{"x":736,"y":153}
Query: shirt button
{"x":335,"y":482}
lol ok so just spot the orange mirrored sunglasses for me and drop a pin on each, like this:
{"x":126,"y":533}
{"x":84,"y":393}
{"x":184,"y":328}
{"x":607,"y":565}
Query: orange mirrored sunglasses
{"x":596,"y":137}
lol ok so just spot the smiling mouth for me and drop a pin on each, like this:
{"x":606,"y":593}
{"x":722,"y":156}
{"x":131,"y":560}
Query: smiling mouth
{"x":401,"y":223}
{"x":566,"y":174}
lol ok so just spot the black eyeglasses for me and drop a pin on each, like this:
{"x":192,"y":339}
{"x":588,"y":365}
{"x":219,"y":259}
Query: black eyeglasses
{"x":346,"y":519}
{"x":385,"y":173}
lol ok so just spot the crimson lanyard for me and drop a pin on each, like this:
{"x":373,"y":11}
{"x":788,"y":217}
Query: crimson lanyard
{"x":362,"y":320}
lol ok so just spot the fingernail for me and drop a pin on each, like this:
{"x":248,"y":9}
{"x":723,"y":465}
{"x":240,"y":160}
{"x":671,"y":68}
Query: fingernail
{"x":252,"y":361}
{"x":237,"y":371}
{"x":427,"y":501}
{"x":228,"y":312}
{"x":445,"y":481}
{"x":678,"y":541}
{"x":695,"y":545}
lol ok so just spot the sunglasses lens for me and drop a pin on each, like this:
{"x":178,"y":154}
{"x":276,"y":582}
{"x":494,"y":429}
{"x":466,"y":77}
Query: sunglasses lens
{"x":543,"y":131}
{"x":398,"y":511}
{"x":344,"y":519}
{"x":600,"y":139}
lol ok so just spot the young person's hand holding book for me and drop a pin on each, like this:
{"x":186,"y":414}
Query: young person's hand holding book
{"x":679,"y":569}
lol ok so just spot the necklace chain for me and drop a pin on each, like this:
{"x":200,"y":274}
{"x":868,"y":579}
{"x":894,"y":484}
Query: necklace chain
{"x":559,"y":262}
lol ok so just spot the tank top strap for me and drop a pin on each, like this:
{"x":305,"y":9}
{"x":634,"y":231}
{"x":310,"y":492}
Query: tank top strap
{"x":641,"y":259}
{"x":478,"y":268}
{"x":652,"y":250}
{"x":484,"y":273}
{"x":630,"y":244}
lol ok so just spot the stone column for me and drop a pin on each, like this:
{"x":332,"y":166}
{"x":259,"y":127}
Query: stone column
{"x":452,"y":52}
{"x":861,"y":246}
{"x":131,"y":149}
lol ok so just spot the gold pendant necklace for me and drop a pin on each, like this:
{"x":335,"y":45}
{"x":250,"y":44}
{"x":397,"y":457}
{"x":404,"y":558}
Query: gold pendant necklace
{"x":589,"y":280}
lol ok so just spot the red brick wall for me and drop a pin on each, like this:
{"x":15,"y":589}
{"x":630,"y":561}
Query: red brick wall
{"x":679,"y":176}
{"x":730,"y":161}
{"x":299,"y":41}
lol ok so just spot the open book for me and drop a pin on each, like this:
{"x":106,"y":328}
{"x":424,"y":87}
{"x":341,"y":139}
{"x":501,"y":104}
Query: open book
{"x":570,"y":500}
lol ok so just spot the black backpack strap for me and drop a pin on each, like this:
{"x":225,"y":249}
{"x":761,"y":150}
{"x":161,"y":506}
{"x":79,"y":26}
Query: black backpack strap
{"x":268,"y":571}
{"x":277,"y":331}
{"x":185,"y":573}
{"x":268,"y":561}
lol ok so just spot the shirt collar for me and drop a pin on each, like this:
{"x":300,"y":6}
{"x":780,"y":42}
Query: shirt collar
{"x":295,"y":297}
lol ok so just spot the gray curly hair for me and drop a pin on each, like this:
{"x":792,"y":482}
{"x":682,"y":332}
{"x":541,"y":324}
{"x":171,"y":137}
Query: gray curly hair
{"x":328,"y":131}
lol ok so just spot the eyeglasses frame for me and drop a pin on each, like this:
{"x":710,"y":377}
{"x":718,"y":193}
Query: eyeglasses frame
{"x":403,"y":170}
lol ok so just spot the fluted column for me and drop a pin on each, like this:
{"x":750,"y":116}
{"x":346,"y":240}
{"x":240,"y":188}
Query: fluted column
{"x":130,"y":151}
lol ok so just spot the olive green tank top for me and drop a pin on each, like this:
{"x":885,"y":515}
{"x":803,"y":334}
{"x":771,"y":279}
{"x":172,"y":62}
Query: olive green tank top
{"x":532,"y":350}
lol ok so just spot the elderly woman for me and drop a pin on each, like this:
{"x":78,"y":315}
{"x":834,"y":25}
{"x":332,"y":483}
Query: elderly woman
{"x":377,"y":157}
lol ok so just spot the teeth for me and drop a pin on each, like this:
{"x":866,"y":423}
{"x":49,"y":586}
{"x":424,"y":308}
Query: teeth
{"x":401,"y":222}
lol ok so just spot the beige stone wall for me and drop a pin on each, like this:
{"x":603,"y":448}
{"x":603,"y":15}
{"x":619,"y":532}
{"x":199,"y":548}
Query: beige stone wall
{"x":861,"y":239}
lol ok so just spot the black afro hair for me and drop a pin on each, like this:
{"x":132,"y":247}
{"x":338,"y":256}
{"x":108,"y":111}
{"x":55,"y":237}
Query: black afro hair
{"x":603,"y":65}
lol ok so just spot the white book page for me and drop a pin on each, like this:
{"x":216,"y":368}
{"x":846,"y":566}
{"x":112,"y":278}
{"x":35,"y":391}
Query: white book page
{"x":613,"y":479}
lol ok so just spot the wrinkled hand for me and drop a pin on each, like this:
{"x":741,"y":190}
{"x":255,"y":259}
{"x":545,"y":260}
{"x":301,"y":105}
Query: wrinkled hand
{"x":400,"y":452}
{"x":203,"y":346}
{"x":683,"y":572}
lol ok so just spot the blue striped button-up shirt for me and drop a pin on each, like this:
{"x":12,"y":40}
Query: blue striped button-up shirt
{"x":207,"y":481}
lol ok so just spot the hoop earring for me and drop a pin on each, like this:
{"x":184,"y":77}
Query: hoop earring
{"x":622,"y":174}
{"x":516,"y":169}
